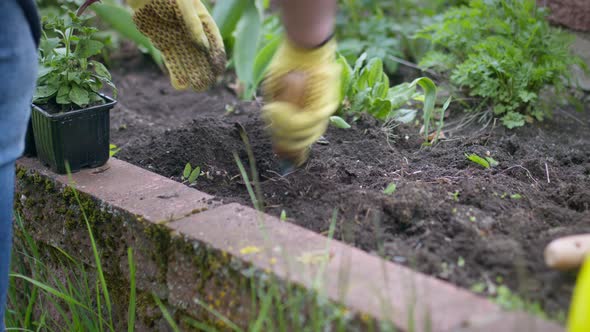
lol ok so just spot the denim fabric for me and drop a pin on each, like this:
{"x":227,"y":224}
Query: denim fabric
{"x":18,"y":70}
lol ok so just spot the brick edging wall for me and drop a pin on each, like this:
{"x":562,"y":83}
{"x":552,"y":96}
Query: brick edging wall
{"x":188,"y":245}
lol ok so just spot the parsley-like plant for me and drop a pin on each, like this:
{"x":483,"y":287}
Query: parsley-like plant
{"x":69,"y":78}
{"x":504,"y":52}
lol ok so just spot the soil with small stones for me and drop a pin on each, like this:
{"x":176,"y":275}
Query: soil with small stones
{"x":448,"y":217}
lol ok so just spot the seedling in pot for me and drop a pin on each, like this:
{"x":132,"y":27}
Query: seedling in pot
{"x":70,"y":116}
{"x":190,"y":174}
{"x":68,"y":78}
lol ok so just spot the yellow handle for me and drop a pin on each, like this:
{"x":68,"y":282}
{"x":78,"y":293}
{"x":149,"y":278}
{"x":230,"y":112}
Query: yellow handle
{"x":579,"y":314}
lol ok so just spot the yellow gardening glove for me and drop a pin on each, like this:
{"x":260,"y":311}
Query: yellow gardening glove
{"x":579,"y":314}
{"x":302,"y":92}
{"x":188,"y":38}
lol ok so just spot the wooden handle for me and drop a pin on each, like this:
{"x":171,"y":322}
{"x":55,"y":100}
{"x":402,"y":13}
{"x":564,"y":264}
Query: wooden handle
{"x":567,"y":252}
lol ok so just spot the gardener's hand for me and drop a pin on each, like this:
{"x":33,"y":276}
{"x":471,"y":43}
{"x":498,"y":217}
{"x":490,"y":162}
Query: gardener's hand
{"x":188,"y":38}
{"x":302,"y":92}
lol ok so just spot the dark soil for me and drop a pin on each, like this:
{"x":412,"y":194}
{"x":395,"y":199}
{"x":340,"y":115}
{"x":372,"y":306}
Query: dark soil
{"x":448,"y":217}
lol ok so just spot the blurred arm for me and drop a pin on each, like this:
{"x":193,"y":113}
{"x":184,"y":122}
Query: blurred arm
{"x":309,"y":22}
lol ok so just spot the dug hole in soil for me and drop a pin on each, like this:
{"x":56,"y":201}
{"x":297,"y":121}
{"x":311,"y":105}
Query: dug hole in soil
{"x":448,"y":217}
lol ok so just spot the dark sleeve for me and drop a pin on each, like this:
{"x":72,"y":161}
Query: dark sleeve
{"x":32,"y":15}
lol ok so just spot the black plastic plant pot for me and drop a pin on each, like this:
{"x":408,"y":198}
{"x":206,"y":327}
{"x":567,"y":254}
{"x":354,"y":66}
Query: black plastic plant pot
{"x":30,"y":148}
{"x":79,"y":138}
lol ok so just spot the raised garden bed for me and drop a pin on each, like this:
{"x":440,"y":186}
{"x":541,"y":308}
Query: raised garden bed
{"x":448,"y":218}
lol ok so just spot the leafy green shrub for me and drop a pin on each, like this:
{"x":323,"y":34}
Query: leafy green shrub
{"x":385,"y":29}
{"x":375,"y":36}
{"x":503,"y":51}
{"x":251,"y":38}
{"x":68,"y":77}
{"x":365,"y":89}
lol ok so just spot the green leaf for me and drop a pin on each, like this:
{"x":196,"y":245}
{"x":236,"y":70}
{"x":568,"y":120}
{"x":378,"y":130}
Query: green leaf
{"x":227,"y":14}
{"x":478,"y":160}
{"x":516,"y":196}
{"x":345,"y":77}
{"x":493,"y":162}
{"x":527,"y":96}
{"x":247,"y":37}
{"x":405,"y":115}
{"x":513,"y":119}
{"x":283,"y":215}
{"x":63,"y":95}
{"x":44,"y":91}
{"x":120,"y":20}
{"x":44,"y":71}
{"x":359,"y":63}
{"x":47,"y":45}
{"x":263,"y":59}
{"x":429,"y":100}
{"x":374,"y":71}
{"x":101,"y":70}
{"x":391,"y":188}
{"x":187,"y":171}
{"x":113,"y":150}
{"x":194,"y":175}
{"x":79,"y":96}
{"x":381,"y":109}
{"x":339,"y":122}
{"x":401,"y":94}
{"x":88,"y":47}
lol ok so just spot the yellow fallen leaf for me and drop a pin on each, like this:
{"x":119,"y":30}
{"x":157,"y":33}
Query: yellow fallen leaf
{"x":250,"y":250}
{"x":314,"y":257}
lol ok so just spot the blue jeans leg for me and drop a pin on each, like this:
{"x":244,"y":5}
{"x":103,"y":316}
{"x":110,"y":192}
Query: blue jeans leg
{"x":18,"y":71}
{"x":6,"y":197}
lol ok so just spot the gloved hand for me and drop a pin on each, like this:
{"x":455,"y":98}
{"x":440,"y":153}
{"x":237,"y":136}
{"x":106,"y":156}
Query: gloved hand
{"x":301,"y":90}
{"x":188,"y":38}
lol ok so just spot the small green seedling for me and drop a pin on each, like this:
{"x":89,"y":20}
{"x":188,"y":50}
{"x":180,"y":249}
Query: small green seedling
{"x":486,"y":162}
{"x":516,"y":196}
{"x":339,"y":122}
{"x":391,"y":188}
{"x":460,"y":262}
{"x":455,"y":195}
{"x":191,"y":174}
{"x":113,"y":150}
{"x":283,"y":215}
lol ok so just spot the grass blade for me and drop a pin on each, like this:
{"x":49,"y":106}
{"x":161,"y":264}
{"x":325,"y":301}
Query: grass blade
{"x":166,"y":314}
{"x":219,"y":316}
{"x":132,"y":296}
{"x":103,"y":283}
{"x":247,"y":182}
{"x":50,"y":290}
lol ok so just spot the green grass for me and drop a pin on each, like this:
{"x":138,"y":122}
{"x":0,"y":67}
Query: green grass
{"x":62,"y":295}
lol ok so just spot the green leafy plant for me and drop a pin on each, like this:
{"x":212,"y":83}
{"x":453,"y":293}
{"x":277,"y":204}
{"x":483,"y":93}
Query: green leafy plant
{"x":190,"y":174}
{"x":365,"y":89}
{"x":504,"y":52}
{"x":68,"y":76}
{"x":251,"y":40}
{"x":508,"y":300}
{"x":386,"y":29}
{"x":376,"y":37}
